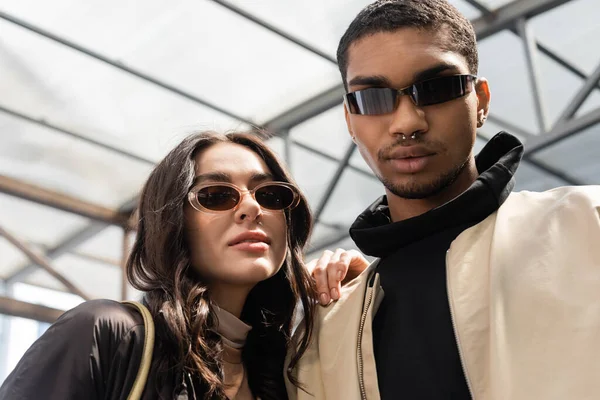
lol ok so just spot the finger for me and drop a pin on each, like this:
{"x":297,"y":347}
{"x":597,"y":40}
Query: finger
{"x":334,"y":268}
{"x":320,"y":277}
{"x":310,"y":266}
{"x":357,"y":264}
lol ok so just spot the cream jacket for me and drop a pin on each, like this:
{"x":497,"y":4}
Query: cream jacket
{"x":524,"y":295}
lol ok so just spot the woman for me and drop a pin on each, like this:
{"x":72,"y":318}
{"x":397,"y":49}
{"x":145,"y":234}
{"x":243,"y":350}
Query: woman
{"x":218,"y":256}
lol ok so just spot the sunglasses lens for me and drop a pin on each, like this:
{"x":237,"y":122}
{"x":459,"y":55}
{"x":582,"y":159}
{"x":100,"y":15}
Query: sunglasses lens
{"x":275,"y":197}
{"x":440,"y":90}
{"x":218,"y":198}
{"x":372,"y":101}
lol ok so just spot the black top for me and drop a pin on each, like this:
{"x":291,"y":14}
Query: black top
{"x":91,"y":352}
{"x":415,"y":346}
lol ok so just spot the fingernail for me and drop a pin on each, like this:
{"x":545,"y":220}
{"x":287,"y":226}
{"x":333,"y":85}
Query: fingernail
{"x":334,"y":294}
{"x":324,"y":298}
{"x":339,"y":275}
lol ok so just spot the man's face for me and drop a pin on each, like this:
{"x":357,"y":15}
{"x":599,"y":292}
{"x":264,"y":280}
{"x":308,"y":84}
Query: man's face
{"x":444,"y":133}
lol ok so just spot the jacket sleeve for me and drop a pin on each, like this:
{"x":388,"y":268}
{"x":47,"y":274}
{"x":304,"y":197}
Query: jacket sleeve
{"x":91,"y":352}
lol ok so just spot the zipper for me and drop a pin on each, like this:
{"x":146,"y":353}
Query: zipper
{"x":460,"y":354}
{"x":363,"y":319}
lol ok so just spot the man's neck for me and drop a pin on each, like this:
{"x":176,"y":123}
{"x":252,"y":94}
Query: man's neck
{"x":402,"y":209}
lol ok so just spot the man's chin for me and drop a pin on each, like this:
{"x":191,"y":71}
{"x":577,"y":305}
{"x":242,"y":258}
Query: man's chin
{"x":419,"y":190}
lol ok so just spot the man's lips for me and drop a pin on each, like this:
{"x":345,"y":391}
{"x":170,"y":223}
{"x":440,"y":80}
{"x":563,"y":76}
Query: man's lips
{"x":410,"y":160}
{"x":409,"y":152}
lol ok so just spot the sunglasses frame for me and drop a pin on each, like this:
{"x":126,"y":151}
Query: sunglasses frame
{"x":193,"y":196}
{"x":410,"y":92}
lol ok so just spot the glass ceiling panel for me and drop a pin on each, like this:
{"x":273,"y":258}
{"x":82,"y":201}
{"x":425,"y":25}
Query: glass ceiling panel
{"x":61,"y":163}
{"x":45,"y":297}
{"x":326,"y":132}
{"x":531,"y":178}
{"x":502,"y":56}
{"x":258,"y":77}
{"x":570,"y":30}
{"x":578,"y":156}
{"x":312,"y":173}
{"x":322,"y":233}
{"x":194,"y":45}
{"x":36,"y":223}
{"x":353,"y":194}
{"x":318,"y":23}
{"x":95,"y":100}
{"x":558,"y":87}
{"x":359,"y":162}
{"x":491,"y":128}
{"x":277,"y":144}
{"x":107,"y":245}
{"x":96,"y":279}
{"x":10,"y":258}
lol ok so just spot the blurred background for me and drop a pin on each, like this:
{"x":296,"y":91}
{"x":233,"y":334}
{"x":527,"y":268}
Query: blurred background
{"x":93,"y":93}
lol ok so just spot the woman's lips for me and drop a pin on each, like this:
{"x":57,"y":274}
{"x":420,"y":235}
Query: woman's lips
{"x":251,"y":246}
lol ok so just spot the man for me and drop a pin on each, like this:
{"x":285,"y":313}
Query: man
{"x":477,"y":292}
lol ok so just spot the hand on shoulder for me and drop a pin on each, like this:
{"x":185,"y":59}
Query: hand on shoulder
{"x":334,"y":269}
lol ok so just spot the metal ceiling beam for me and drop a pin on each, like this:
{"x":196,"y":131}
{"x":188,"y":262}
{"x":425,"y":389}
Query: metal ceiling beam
{"x":275,"y":30}
{"x":568,"y":180}
{"x":21,"y":309}
{"x":563,"y":63}
{"x":307,"y":109}
{"x":563,"y":131}
{"x":42,"y":122}
{"x":504,"y":18}
{"x":526,"y":34}
{"x":543,"y":167}
{"x":331,"y":158}
{"x":61,"y":201}
{"x":74,"y":241}
{"x":343,"y":163}
{"x":42,"y":262}
{"x":580,"y":97}
{"x":68,"y":245}
{"x":507,"y":16}
{"x":510,"y":126}
{"x":476,"y":4}
{"x":119,"y":65}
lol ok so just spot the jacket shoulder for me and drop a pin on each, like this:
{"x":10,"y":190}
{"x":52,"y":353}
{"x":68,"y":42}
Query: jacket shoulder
{"x":103,"y":312}
{"x":580,"y":197}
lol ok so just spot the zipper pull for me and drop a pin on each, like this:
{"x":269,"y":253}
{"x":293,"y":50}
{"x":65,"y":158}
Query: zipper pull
{"x":183,"y":392}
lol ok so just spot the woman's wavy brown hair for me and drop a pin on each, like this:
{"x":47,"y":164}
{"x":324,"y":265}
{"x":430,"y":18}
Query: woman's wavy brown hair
{"x":159,"y":265}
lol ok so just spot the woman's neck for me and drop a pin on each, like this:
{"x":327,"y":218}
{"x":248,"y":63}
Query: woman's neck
{"x":229,"y":297}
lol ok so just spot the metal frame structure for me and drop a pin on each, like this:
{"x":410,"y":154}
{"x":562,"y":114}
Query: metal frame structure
{"x":513,"y":17}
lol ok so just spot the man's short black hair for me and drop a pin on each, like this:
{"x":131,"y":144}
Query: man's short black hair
{"x":391,"y":15}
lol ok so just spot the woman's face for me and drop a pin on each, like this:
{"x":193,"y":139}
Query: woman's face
{"x":235,"y":248}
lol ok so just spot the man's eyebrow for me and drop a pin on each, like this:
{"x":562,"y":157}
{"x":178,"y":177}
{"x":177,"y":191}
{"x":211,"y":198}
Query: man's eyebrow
{"x":373,"y":80}
{"x":434,"y":71}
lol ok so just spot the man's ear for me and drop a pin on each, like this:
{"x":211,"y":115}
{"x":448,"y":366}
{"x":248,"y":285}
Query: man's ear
{"x":348,"y":125}
{"x":482,"y":90}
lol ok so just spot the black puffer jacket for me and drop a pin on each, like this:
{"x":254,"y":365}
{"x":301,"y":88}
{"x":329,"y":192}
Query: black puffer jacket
{"x":91,"y":352}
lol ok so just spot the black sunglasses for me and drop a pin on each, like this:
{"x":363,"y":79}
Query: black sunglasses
{"x":376,"y":101}
{"x":215,"y":197}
